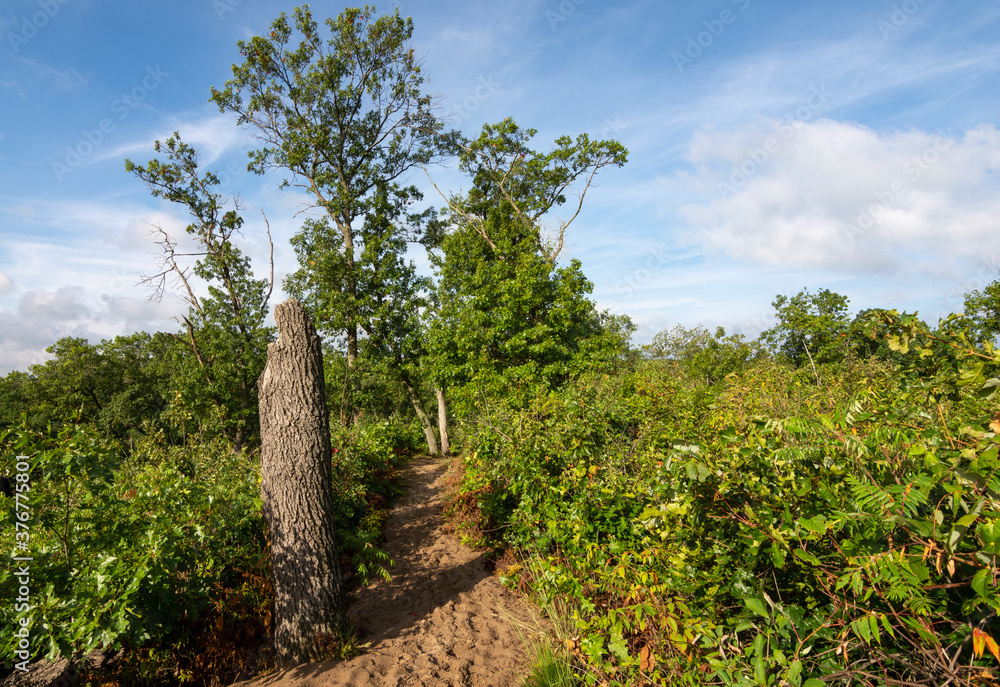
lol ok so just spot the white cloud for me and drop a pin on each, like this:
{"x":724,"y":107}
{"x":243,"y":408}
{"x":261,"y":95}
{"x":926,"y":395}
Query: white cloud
{"x":63,"y":304}
{"x":841,"y":196}
{"x":212,"y":136}
{"x":6,"y":284}
{"x":43,"y":316}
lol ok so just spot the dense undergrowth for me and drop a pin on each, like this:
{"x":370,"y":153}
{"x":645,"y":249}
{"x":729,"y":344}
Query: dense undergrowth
{"x":160,"y":554}
{"x":773,"y":526}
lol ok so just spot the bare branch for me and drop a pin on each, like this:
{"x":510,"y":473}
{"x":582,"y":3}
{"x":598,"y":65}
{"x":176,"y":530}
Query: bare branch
{"x":270,"y":241}
{"x":169,"y":260}
{"x":475,"y":222}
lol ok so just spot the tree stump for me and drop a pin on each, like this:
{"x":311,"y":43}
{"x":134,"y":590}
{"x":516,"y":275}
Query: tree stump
{"x":296,"y":489}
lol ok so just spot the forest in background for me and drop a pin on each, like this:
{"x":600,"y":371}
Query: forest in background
{"x":816,"y":506}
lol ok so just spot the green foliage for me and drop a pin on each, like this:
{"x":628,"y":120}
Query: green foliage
{"x":365,"y":479}
{"x":762,"y":530}
{"x":163,"y":552}
{"x":983,"y":308}
{"x":700,"y":354}
{"x":508,"y":316}
{"x":117,"y":384}
{"x":15,"y":390}
{"x":132,"y":552}
{"x":345,"y":115}
{"x":224,"y":345}
{"x":811,"y":327}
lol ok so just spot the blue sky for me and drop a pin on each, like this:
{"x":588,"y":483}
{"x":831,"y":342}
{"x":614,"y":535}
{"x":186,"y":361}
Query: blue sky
{"x":773,"y":146}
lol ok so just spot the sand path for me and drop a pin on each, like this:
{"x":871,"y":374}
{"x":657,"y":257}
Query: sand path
{"x":442,"y":620}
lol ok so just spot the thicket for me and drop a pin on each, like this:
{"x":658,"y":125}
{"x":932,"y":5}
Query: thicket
{"x":714,"y":514}
{"x":159,"y":553}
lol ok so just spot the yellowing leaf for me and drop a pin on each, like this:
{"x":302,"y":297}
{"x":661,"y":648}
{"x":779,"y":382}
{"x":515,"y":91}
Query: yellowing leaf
{"x":982,"y":641}
{"x":992,"y":646}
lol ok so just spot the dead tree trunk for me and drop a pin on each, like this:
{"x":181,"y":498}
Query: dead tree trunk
{"x":309,"y":607}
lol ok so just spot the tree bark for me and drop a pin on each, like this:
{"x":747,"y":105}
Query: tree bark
{"x":297,"y":494}
{"x":425,"y":421}
{"x":443,"y":422}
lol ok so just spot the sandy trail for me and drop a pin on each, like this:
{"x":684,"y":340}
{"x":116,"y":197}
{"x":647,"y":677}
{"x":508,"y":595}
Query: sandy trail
{"x":442,"y":620}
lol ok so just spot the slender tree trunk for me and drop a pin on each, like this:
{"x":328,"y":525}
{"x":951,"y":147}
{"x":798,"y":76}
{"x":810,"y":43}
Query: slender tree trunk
{"x":443,"y":421}
{"x":425,"y":421}
{"x":352,"y":291}
{"x":296,"y":489}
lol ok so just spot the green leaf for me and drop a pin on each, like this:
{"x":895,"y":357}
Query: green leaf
{"x":619,"y":648}
{"x":888,"y":627}
{"x":777,"y":557}
{"x":756,"y":605}
{"x":971,"y":375}
{"x":814,"y":682}
{"x":989,"y":388}
{"x":806,"y":556}
{"x":979,"y":582}
{"x":862,"y":629}
{"x":794,"y":674}
{"x":816,"y":525}
{"x":760,"y":671}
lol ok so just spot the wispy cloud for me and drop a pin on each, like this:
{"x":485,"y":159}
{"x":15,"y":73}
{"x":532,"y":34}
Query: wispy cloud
{"x":66,"y":79}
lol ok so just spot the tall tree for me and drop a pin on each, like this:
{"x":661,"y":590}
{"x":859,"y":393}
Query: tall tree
{"x":389,"y":297}
{"x":297,"y":492}
{"x":346,"y":116}
{"x":225,"y":340}
{"x":506,"y":310}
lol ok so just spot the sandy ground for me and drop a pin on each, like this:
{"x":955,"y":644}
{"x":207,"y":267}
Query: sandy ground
{"x":442,"y":620}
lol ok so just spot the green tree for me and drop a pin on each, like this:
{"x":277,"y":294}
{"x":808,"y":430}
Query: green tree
{"x":118,"y":385}
{"x":15,"y":390}
{"x":701,"y":354}
{"x":507,"y":313}
{"x":225,"y":340}
{"x":983,"y":308}
{"x":811,"y":327}
{"x":346,"y":116}
{"x":389,"y":297}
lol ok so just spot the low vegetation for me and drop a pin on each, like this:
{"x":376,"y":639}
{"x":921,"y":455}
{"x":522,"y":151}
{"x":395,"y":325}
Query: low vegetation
{"x":820,"y":505}
{"x":834,"y":523}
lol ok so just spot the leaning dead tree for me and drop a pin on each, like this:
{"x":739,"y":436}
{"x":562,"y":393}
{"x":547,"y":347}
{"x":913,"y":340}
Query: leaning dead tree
{"x":309,"y":608}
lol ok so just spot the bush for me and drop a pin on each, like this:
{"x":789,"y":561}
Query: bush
{"x":134,"y":553}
